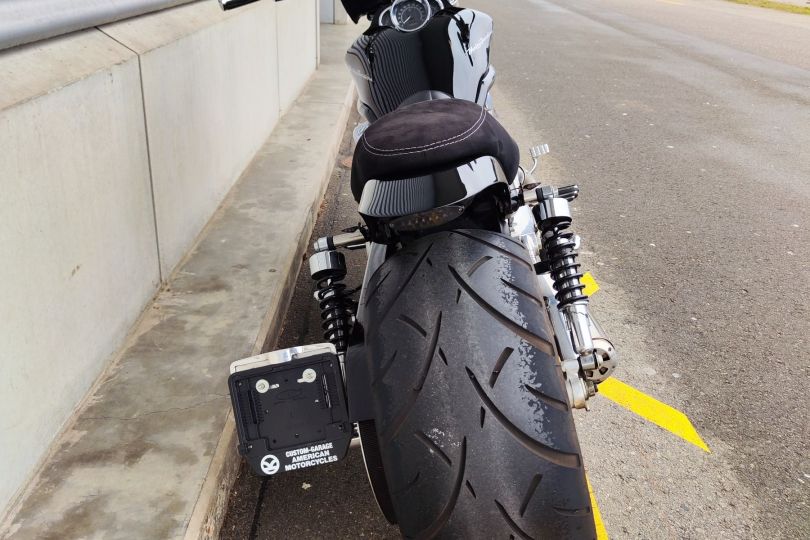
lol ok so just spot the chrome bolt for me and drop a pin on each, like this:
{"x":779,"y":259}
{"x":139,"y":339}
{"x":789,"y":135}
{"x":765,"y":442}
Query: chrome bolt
{"x":309,"y":376}
{"x":262,"y":386}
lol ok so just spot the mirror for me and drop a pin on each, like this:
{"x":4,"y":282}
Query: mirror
{"x":231,"y":4}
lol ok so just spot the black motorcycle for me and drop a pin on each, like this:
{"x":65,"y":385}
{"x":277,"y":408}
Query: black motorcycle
{"x":471,"y":342}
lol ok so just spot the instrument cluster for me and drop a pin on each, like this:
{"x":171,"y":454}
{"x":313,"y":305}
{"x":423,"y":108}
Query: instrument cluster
{"x":411,"y":15}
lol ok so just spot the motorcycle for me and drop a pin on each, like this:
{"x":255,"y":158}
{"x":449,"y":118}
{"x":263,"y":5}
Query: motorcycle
{"x":471,"y":343}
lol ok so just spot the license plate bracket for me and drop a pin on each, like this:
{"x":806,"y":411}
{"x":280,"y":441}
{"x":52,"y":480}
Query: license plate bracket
{"x":290,"y":409}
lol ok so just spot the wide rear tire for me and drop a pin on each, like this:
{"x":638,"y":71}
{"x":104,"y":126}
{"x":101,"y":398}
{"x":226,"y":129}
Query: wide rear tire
{"x":473,"y":428}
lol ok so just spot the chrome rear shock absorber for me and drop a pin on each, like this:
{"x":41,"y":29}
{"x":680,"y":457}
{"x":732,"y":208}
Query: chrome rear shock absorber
{"x":596,"y":358}
{"x":559,"y":251}
{"x":328,"y":269}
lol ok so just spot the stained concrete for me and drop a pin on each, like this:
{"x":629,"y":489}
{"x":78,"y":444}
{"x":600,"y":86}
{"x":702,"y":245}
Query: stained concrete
{"x":77,"y":232}
{"x":134,"y":463}
{"x":30,"y":71}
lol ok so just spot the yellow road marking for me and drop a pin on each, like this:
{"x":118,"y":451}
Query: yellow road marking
{"x":591,"y":286}
{"x":671,"y":2}
{"x":601,"y":531}
{"x":653,"y":410}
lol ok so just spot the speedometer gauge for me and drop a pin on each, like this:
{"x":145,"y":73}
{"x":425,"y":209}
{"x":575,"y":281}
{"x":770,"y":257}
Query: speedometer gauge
{"x":410,"y":15}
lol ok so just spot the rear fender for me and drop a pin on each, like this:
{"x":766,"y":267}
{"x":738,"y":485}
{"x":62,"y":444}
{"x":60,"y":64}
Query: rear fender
{"x":388,"y":199}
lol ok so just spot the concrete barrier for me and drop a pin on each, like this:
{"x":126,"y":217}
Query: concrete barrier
{"x":117,"y":145}
{"x":332,"y":12}
{"x":211,"y":97}
{"x":77,"y":232}
{"x":297,"y":48}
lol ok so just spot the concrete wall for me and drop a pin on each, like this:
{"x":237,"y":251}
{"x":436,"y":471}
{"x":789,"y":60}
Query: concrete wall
{"x":211,"y":99}
{"x":332,"y":12}
{"x":116,"y":146}
{"x":77,"y":235}
{"x":297,"y":47}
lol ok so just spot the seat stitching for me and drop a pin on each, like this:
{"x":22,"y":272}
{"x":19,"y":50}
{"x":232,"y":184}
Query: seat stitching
{"x":480,"y":119}
{"x":475,"y":126}
{"x":423,"y":150}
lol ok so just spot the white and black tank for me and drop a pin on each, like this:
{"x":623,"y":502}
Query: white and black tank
{"x":439,"y":48}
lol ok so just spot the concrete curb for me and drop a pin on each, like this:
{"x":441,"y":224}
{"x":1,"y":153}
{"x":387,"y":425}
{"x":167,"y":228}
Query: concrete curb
{"x":209,"y":512}
{"x":152,"y":453}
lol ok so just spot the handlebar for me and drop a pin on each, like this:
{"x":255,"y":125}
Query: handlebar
{"x":231,"y":4}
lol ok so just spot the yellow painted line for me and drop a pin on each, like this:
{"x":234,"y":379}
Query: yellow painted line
{"x":671,"y":2}
{"x":601,"y":531}
{"x":591,"y":286}
{"x":653,"y":410}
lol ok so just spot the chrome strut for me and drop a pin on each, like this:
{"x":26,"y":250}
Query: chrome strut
{"x":543,"y":224}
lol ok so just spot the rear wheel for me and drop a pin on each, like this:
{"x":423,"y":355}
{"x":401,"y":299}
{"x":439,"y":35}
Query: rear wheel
{"x":473,"y":428}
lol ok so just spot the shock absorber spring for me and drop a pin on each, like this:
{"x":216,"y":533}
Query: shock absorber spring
{"x":560,"y":247}
{"x":328,"y":269}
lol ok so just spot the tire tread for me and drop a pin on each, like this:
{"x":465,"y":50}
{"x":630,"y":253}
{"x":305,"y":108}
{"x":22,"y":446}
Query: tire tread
{"x":438,"y":423}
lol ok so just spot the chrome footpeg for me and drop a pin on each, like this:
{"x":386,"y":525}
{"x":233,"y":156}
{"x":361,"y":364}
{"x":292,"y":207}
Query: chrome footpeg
{"x":359,"y":129}
{"x":537,"y":152}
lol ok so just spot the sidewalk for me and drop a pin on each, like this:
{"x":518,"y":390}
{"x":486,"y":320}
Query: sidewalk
{"x":152,"y":452}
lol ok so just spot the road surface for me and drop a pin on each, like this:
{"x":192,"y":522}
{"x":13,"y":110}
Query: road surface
{"x":687,"y":125}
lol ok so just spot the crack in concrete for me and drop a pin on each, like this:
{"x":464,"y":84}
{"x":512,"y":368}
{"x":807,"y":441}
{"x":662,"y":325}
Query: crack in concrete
{"x":162,"y":411}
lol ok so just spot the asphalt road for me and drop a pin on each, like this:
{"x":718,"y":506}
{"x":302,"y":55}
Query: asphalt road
{"x":687,"y":125}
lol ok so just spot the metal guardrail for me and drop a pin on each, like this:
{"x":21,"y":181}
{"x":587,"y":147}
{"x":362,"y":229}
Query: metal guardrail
{"x":27,"y":21}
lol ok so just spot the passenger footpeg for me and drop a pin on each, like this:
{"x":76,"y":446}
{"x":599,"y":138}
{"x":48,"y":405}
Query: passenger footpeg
{"x":290,"y":409}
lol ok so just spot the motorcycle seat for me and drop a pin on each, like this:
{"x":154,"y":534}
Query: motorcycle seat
{"x":428,"y":137}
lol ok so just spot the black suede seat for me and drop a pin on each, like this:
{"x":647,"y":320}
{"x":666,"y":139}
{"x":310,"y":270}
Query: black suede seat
{"x":429,"y":137}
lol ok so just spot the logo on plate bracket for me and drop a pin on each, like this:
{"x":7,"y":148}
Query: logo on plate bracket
{"x":270,"y":464}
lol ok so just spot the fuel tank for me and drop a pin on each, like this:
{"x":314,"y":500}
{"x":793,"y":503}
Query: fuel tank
{"x":451,"y":53}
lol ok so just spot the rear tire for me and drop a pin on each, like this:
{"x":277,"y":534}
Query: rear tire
{"x":473,"y":428}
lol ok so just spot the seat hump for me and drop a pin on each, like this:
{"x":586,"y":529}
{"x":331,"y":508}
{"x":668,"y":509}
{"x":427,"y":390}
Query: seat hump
{"x":428,"y":137}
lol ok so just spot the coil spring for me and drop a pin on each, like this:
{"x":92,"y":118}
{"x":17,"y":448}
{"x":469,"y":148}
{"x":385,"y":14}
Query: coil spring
{"x":561,"y":256}
{"x":337,"y":310}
